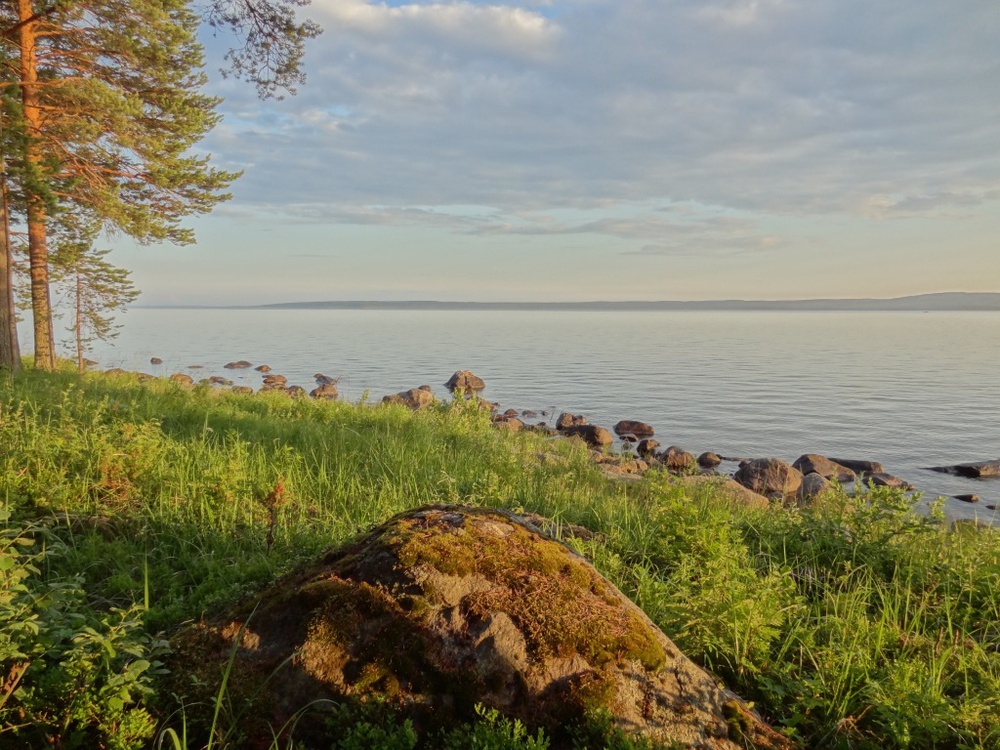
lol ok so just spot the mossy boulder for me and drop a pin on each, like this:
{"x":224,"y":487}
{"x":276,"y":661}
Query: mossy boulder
{"x":446,"y":607}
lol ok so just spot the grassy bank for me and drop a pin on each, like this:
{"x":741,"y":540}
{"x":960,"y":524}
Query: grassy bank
{"x":130,"y":508}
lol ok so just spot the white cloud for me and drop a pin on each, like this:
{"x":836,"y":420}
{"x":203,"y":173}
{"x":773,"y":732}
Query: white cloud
{"x":832,"y":107}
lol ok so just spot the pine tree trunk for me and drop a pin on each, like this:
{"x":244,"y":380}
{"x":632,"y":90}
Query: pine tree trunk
{"x":10,"y":352}
{"x":78,"y":323}
{"x":41,"y":305}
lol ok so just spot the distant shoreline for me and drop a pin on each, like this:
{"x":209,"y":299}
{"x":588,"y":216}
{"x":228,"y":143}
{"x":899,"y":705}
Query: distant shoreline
{"x":940,"y":302}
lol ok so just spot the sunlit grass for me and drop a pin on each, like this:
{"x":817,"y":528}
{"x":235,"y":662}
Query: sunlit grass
{"x":855,"y":624}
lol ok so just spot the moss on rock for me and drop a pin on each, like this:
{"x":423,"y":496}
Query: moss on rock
{"x":446,"y":607}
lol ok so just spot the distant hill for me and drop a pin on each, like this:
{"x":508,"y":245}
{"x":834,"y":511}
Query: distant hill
{"x":943,"y":301}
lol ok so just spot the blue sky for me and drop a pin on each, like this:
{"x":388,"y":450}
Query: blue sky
{"x":608,"y":149}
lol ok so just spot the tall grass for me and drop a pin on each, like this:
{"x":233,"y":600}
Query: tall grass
{"x":855,"y":624}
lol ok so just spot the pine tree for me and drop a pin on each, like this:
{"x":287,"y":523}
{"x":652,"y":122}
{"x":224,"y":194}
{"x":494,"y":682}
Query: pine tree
{"x":77,"y":63}
{"x":111,"y":107}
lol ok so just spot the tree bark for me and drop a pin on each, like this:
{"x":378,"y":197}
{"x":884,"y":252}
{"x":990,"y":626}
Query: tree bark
{"x":10,"y":352}
{"x":41,"y":304}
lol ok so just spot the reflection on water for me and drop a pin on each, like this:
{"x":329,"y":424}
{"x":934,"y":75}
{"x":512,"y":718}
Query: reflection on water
{"x":907,"y":389}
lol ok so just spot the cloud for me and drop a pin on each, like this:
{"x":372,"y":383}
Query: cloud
{"x":831,"y":107}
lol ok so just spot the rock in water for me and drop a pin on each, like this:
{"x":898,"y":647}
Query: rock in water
{"x":415,"y":398}
{"x":465,"y":381}
{"x":812,"y":463}
{"x":768,"y":476}
{"x":594,"y":436}
{"x":977,"y":470}
{"x":633,"y":430}
{"x":443,"y":608}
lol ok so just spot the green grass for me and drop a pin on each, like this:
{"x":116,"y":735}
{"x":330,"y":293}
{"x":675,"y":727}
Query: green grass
{"x":856,"y":624}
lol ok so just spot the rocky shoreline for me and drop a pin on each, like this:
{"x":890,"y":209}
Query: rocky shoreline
{"x":756,"y":480}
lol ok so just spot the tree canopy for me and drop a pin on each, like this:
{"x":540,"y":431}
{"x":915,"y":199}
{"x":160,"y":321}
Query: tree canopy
{"x":109,"y":111}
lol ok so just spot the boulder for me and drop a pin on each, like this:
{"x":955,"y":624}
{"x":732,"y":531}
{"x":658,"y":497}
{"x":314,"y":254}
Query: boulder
{"x":296,"y":391}
{"x":977,"y":470}
{"x":813,"y":486}
{"x":243,"y":390}
{"x":238,"y":365}
{"x":709,"y":460}
{"x":813,"y":463}
{"x":529,"y":414}
{"x":465,"y":381}
{"x":445,"y":608}
{"x":155,"y":361}
{"x":724,"y":487}
{"x":860,"y":467}
{"x":768,"y":476}
{"x":678,"y":460}
{"x":510,"y":424}
{"x":647,"y":448}
{"x":566,"y":420}
{"x":881,"y":479}
{"x":263,"y":368}
{"x":591,"y":434}
{"x":275,"y":380}
{"x":117,"y":372}
{"x":182,"y":378}
{"x":633,"y":430}
{"x":219,"y":380}
{"x":415,"y":398}
{"x":326,"y":391}
{"x":322,"y":379}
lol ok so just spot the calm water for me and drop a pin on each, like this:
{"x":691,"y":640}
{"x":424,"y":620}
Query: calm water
{"x":908,"y":389}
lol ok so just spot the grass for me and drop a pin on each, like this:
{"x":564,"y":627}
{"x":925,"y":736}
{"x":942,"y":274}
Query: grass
{"x":132,"y":507}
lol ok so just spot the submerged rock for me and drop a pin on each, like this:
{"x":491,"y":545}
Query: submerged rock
{"x":860,"y":467}
{"x":241,"y":364}
{"x":977,"y":470}
{"x":444,"y":608}
{"x":881,"y":479}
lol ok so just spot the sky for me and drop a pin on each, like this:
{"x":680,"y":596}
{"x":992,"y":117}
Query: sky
{"x":556,"y":150}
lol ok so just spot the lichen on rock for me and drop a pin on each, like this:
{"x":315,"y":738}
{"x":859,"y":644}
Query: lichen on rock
{"x":446,"y":607}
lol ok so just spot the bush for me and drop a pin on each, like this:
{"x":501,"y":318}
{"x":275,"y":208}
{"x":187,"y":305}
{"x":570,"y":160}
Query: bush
{"x":72,"y":678}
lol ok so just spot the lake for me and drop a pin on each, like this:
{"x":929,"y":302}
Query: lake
{"x":908,"y":389}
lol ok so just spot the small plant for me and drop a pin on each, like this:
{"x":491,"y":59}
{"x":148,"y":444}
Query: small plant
{"x":73,"y":678}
